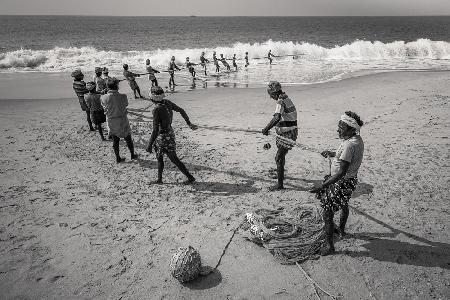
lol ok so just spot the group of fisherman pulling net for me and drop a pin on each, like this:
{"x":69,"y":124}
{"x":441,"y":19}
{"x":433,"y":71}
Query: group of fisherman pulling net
{"x":280,"y":233}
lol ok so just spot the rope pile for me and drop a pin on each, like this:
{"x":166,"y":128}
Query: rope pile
{"x":290,"y":236}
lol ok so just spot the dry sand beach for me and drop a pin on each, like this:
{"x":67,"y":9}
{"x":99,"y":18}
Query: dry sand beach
{"x":75,"y":225}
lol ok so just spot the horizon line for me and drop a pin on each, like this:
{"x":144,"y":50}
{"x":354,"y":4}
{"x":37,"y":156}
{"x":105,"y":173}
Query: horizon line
{"x":220,"y":16}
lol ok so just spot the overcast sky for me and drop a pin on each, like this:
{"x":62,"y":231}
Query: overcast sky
{"x":226,"y":7}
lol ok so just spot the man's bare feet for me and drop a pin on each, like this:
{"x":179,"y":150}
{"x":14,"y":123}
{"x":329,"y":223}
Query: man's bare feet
{"x":276,"y":188}
{"x":120,"y":160}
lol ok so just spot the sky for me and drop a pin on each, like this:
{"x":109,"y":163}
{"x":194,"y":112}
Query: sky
{"x":226,"y":7}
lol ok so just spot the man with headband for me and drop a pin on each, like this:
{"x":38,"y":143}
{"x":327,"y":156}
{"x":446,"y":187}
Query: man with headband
{"x":79,"y":86}
{"x":115,"y":106}
{"x":163,"y":137}
{"x":151,"y":73}
{"x":337,"y":188}
{"x":131,"y":78}
{"x":285,"y":120}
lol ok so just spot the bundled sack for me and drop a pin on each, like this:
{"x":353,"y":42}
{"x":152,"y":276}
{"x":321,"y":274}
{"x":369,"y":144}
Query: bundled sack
{"x":290,"y":236}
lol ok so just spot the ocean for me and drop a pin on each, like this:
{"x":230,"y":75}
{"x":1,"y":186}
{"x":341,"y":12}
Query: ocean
{"x":310,"y":49}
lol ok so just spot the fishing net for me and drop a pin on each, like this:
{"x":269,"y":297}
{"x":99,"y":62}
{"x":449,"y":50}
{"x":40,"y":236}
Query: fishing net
{"x":290,"y":235}
{"x":185,"y":264}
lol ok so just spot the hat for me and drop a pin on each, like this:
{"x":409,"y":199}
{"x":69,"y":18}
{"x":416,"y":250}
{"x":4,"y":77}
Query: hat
{"x":105,"y":70}
{"x":77,"y":73}
{"x":274,"y":86}
{"x":98,"y":70}
{"x":90,"y":86}
{"x":156,"y":90}
{"x":125,"y":66}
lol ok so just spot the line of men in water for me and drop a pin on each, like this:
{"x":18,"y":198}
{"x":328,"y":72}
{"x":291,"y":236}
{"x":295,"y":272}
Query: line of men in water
{"x":101,"y":101}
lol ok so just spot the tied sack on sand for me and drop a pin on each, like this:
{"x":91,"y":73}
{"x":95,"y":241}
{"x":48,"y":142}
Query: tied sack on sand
{"x":290,"y":236}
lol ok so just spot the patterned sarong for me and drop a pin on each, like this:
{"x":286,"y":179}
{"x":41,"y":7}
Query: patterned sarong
{"x":165,"y":142}
{"x":98,"y":117}
{"x":291,"y":135}
{"x":336,"y":195}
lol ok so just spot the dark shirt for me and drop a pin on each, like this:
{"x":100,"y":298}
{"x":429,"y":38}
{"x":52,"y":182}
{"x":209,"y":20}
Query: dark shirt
{"x":163,"y":116}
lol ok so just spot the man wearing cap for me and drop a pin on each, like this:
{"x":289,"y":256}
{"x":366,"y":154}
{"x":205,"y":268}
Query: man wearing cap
{"x":79,"y":87}
{"x":163,"y":137}
{"x":115,"y":107}
{"x":131,"y":78}
{"x":285,"y":122}
{"x":337,"y":188}
{"x":203,"y":61}
{"x":151,"y":73}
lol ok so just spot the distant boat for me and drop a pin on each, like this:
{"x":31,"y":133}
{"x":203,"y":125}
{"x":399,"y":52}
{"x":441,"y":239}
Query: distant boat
{"x":192,"y":16}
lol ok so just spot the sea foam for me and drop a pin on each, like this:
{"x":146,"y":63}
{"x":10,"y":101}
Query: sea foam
{"x":65,"y":59}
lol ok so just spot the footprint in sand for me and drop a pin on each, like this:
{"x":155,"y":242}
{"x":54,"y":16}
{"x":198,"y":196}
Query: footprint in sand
{"x":55,"y":278}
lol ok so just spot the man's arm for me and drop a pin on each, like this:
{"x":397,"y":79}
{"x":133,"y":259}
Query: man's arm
{"x":184,"y":115}
{"x":276,"y":118}
{"x":343,"y":168}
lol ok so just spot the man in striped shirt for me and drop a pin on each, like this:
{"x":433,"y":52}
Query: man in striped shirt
{"x":79,"y":86}
{"x":285,"y":122}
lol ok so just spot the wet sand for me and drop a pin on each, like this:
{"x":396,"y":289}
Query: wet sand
{"x":75,"y":225}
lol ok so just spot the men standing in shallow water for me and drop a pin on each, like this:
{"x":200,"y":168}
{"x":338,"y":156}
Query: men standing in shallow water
{"x":172,"y":67}
{"x":246,"y":59}
{"x":285,"y":120}
{"x":163,"y":137}
{"x":337,"y":188}
{"x":151,"y":73}
{"x":269,"y":56}
{"x":115,"y":106}
{"x":79,"y":86}
{"x":216,"y":62}
{"x":203,"y":62}
{"x":224,"y":62}
{"x":131,"y":78}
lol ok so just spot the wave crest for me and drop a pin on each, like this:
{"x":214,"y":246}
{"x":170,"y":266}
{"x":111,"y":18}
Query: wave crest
{"x":65,"y":59}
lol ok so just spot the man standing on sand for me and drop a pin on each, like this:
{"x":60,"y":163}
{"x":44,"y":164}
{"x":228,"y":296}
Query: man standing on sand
{"x":163,"y":137}
{"x":115,"y":107}
{"x":79,"y":86}
{"x":269,"y":56}
{"x":285,"y":120}
{"x":131,"y":78}
{"x":246,"y":59}
{"x":100,"y":83}
{"x":151,"y":73}
{"x":337,"y":188}
{"x":171,"y":69}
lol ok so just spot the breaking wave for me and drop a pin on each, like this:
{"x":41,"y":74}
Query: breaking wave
{"x":65,"y":59}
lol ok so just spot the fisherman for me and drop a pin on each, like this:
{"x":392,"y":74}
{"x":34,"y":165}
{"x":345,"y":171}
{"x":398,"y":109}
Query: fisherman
{"x":79,"y":87}
{"x":216,"y":62}
{"x":285,"y":120}
{"x":92,"y":100}
{"x":203,"y":61}
{"x":151,"y":73}
{"x":131,"y":78}
{"x":106,"y":75}
{"x":234,"y":62}
{"x":337,"y":188}
{"x":172,"y":67}
{"x":224,"y":62}
{"x":163,"y":137}
{"x":246,"y":59}
{"x":190,"y":67}
{"x":115,"y":106}
{"x":99,"y":81}
{"x":269,"y":56}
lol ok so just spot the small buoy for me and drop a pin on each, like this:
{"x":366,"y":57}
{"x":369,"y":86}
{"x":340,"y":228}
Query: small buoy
{"x":267,"y":146}
{"x":185,"y":264}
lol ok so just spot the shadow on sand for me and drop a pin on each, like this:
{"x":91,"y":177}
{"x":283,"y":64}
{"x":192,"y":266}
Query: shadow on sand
{"x":432,"y":254}
{"x":205,"y":282}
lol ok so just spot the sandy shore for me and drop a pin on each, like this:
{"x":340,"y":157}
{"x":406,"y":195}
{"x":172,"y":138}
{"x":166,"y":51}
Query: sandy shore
{"x":75,"y":225}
